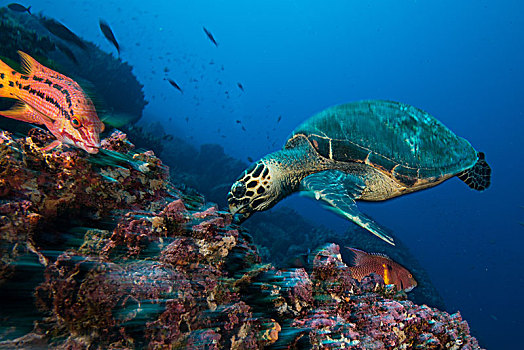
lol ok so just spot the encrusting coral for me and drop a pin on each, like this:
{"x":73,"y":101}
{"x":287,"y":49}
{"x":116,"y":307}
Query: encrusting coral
{"x":129,"y":261}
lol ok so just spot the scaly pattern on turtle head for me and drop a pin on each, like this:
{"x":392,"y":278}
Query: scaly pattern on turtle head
{"x":256,"y":189}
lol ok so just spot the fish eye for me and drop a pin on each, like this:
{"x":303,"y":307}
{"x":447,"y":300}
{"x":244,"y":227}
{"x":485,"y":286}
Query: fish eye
{"x":239,"y":189}
{"x":75,"y":122}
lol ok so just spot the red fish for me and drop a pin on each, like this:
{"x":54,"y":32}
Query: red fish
{"x":52,"y":99}
{"x":391,"y":271}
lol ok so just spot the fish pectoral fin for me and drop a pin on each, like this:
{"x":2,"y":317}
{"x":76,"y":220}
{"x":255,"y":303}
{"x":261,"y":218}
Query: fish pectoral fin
{"x":338,"y":191}
{"x":23,"y":112}
{"x":52,"y":145}
{"x":40,"y":118}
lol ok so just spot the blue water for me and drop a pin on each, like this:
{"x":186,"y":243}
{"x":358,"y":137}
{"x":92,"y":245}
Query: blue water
{"x":459,"y":60}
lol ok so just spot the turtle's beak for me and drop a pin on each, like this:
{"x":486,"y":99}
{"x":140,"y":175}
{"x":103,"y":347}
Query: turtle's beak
{"x":239,"y":218}
{"x":239,"y":209}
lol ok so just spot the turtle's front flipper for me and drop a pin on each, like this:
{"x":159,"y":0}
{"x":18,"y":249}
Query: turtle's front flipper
{"x":339,"y":190}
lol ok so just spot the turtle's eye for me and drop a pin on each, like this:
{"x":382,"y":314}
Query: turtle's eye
{"x":75,"y":122}
{"x":239,"y":189}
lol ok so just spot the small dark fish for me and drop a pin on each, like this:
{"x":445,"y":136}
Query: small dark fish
{"x":279,"y":119}
{"x":210,"y":36}
{"x":19,"y":8}
{"x":250,"y":159}
{"x":61,"y":31}
{"x":240,"y":87}
{"x":175,"y":85}
{"x":391,"y":271}
{"x":187,"y":119}
{"x":67,"y":51}
{"x":108,"y":33}
{"x":239,"y":121}
{"x":243,"y":128}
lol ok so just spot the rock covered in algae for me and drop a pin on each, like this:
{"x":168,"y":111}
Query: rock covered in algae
{"x":39,"y":189}
{"x":141,"y":264}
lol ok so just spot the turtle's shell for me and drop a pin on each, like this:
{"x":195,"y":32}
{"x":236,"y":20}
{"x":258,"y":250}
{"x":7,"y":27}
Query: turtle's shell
{"x":401,"y":140}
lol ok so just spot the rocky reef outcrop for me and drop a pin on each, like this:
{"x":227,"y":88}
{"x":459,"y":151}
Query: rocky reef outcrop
{"x":121,"y":258}
{"x":282,"y":235}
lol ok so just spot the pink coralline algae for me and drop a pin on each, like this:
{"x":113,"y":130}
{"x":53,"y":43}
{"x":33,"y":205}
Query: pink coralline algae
{"x":141,"y":264}
{"x":37,"y":188}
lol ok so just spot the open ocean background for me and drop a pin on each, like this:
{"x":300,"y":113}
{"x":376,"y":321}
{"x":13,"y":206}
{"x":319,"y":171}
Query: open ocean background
{"x":461,"y":61}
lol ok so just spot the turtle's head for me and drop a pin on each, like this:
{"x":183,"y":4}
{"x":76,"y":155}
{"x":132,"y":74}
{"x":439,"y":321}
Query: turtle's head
{"x":256,"y":189}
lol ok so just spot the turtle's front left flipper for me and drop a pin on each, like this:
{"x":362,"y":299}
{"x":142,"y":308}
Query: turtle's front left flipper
{"x":339,"y":190}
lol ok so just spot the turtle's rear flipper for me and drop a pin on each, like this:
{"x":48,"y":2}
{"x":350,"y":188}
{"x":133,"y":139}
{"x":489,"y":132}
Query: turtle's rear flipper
{"x":339,"y":190}
{"x":478,"y":177}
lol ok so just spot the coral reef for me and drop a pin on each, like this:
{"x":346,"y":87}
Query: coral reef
{"x":39,"y":189}
{"x":129,"y":261}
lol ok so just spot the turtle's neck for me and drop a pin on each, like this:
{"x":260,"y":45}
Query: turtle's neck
{"x":292,"y":165}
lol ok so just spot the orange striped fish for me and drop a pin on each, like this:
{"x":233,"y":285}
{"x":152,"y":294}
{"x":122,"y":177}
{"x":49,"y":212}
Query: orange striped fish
{"x":391,"y":271}
{"x":54,"y":100}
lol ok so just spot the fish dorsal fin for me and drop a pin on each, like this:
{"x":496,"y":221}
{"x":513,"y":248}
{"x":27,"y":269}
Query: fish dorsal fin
{"x":32,"y":66}
{"x":29,"y":64}
{"x":380,"y":255}
{"x":360,"y":256}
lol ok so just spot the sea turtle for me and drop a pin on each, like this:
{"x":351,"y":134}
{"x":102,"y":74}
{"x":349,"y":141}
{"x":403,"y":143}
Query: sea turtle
{"x":367,"y":150}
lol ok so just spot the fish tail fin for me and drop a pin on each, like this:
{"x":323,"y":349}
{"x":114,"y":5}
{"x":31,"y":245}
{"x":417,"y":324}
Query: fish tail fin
{"x":478,"y":177}
{"x":7,"y":80}
{"x":29,"y":10}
